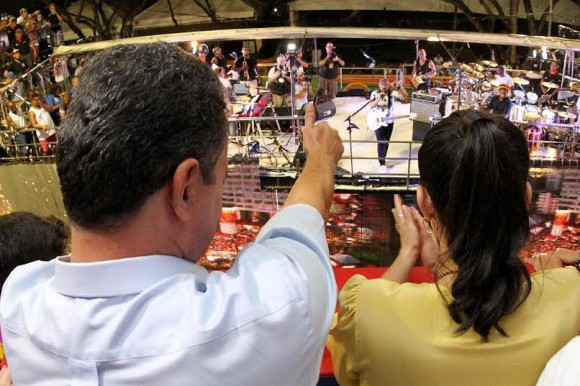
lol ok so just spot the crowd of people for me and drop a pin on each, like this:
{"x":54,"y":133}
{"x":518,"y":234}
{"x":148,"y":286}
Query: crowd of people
{"x":145,"y":313}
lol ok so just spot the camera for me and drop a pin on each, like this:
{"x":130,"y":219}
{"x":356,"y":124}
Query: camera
{"x":307,"y":78}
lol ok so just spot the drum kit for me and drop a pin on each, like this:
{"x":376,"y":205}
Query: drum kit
{"x":475,"y":83}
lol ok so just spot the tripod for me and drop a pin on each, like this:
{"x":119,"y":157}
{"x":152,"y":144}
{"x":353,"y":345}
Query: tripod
{"x":349,"y":127}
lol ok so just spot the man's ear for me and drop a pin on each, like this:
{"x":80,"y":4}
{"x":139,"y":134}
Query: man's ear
{"x":184,"y":187}
{"x":425,"y":203}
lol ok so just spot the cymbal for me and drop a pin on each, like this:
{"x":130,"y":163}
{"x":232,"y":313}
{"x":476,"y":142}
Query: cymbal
{"x":488,"y":63}
{"x":466,"y":68}
{"x":521,"y":81}
{"x":532,"y":117}
{"x":549,"y":85}
{"x":477,"y":74}
{"x":495,"y":83}
{"x":575,"y":86}
{"x":478,"y":67}
{"x":533,"y":75}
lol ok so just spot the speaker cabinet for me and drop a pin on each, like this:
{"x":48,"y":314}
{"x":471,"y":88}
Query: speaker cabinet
{"x":420,"y":130}
{"x":325,"y":110}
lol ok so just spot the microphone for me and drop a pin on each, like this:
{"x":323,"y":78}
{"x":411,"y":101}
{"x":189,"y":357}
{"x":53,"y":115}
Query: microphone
{"x":468,"y":46}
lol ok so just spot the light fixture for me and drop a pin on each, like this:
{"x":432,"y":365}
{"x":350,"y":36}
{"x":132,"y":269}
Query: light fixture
{"x":534,"y":53}
{"x":194,"y":47}
{"x":433,"y":39}
{"x":291,"y":49}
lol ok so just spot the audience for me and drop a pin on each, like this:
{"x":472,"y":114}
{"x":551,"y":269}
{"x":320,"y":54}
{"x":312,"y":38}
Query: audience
{"x":484,"y":321}
{"x":142,"y":181}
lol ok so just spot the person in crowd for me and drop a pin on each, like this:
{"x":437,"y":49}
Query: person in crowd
{"x":60,"y":71}
{"x":500,"y":104}
{"x":52,"y":103}
{"x":221,"y":74}
{"x":145,"y":313}
{"x":5,"y":43}
{"x":65,"y":99}
{"x":33,"y":29}
{"x":328,"y":73}
{"x":74,"y":83}
{"x":23,"y":18}
{"x":218,"y":59}
{"x":44,"y":31}
{"x":22,"y":44}
{"x":503,"y":78}
{"x":41,"y":120}
{"x":84,"y":60}
{"x":247,"y":68}
{"x":423,"y":70}
{"x":18,"y":122}
{"x":54,"y":20}
{"x":563,"y":369}
{"x":554,"y":77}
{"x":382,"y":118}
{"x":485,"y":320}
{"x":279,"y":82}
{"x":11,"y":28}
{"x":17,"y":66}
{"x":26,"y":237}
{"x":438,"y":60}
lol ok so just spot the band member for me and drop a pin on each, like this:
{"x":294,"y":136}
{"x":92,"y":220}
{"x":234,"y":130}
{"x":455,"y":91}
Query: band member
{"x":503,"y":78}
{"x":218,"y":59}
{"x":381,"y":118}
{"x":554,"y":77}
{"x":247,"y":67}
{"x":202,"y":51}
{"x":423,"y":70}
{"x":500,"y":104}
{"x":279,"y":82}
{"x":302,"y":92}
{"x":329,"y":72}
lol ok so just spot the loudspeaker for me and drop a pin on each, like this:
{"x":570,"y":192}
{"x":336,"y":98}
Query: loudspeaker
{"x":325,"y":110}
{"x":424,"y":109}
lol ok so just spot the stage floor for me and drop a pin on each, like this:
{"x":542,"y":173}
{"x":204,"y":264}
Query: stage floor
{"x":401,"y":156}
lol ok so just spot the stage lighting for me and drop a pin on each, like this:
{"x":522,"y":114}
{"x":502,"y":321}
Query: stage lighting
{"x":291,"y":49}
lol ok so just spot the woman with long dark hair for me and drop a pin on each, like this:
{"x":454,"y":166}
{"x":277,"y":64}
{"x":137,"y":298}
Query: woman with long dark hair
{"x":485,"y":320}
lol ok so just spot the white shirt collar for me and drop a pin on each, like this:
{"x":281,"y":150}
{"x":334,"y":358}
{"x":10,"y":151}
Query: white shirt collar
{"x":120,"y":277}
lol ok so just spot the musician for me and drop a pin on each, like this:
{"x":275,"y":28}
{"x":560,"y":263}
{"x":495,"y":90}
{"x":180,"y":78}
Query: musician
{"x":551,"y":76}
{"x":381,"y":118}
{"x":425,"y":68}
{"x":302,"y":92}
{"x":329,"y":72}
{"x":503,"y":78}
{"x":202,"y":51}
{"x":218,"y":59}
{"x":500,"y":104}
{"x":247,"y":67}
{"x":279,"y":82}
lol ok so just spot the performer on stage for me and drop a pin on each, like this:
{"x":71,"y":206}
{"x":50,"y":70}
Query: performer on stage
{"x":247,"y":67}
{"x":500,"y":104}
{"x":279,"y":79}
{"x":329,"y":72}
{"x":503,"y":78}
{"x":554,"y":77}
{"x":423,"y":70}
{"x":381,"y":118}
{"x":218,"y":59}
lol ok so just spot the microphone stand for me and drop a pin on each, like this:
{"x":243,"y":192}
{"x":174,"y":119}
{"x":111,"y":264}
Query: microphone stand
{"x":349,"y":128}
{"x":455,"y":63}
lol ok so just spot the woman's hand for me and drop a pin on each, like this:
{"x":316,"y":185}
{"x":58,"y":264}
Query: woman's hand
{"x":5,"y":378}
{"x":429,"y":247}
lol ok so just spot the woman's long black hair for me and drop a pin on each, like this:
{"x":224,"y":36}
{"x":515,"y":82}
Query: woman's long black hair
{"x":474,"y":166}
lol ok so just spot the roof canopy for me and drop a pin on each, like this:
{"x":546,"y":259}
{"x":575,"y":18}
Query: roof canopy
{"x":335,"y":33}
{"x":565,"y":11}
{"x":186,"y":12}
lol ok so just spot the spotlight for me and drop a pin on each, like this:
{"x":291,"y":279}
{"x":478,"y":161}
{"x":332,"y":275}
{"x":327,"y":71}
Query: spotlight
{"x":291,"y":48}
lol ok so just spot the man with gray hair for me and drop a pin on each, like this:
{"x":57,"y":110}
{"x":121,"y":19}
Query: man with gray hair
{"x":142,"y":179}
